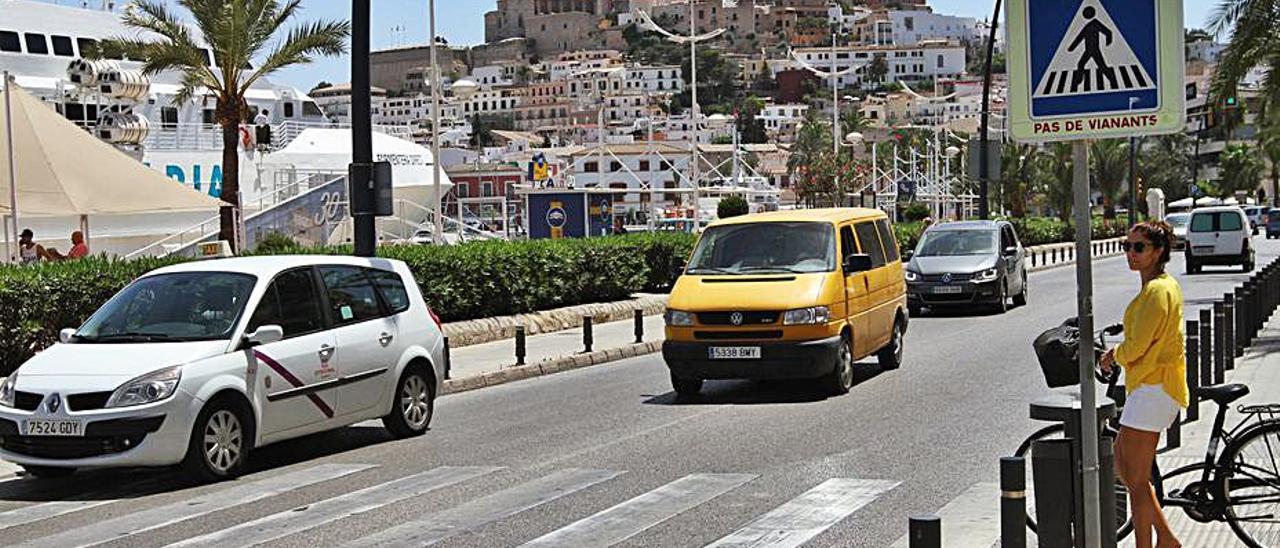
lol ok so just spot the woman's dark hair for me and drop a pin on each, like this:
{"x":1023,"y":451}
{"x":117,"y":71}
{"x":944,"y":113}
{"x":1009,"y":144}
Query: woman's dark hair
{"x":1160,"y":234}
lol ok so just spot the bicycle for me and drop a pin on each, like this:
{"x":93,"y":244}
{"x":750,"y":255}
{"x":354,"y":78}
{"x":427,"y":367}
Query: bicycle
{"x":1231,"y":481}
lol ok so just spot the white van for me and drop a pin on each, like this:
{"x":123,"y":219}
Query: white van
{"x":1218,"y":236}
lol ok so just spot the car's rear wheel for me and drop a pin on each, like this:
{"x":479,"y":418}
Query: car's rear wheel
{"x":49,"y":472}
{"x":1193,"y":267}
{"x":686,"y":386}
{"x":414,"y":404}
{"x":891,"y":355}
{"x":220,"y":441}
{"x":840,"y":380}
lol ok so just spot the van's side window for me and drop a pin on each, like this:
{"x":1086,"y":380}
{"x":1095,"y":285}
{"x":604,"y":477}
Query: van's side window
{"x":1230,"y":221}
{"x":847,"y":245}
{"x":870,"y":242}
{"x":291,"y":302}
{"x":890,"y":243}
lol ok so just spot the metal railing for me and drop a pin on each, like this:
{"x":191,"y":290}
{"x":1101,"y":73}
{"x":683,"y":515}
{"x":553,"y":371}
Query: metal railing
{"x":209,"y":136}
{"x":179,"y":240}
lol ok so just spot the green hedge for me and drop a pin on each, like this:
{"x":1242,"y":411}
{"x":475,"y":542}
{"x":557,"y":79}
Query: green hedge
{"x":462,"y":282}
{"x":1031,"y":230}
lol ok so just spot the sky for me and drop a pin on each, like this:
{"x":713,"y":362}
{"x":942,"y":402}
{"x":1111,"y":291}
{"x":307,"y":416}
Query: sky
{"x":405,"y":22}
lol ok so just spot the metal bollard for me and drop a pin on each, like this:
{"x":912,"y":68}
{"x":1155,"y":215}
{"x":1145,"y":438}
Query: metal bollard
{"x":1219,"y":343}
{"x":1229,"y":339}
{"x":1240,"y":327}
{"x":1206,"y":347}
{"x":587,"y":337}
{"x":520,"y":348}
{"x":924,"y":531}
{"x":639,"y":319}
{"x":448,"y":360}
{"x":1051,"y":469}
{"x":1013,"y":502}
{"x":1193,"y":369}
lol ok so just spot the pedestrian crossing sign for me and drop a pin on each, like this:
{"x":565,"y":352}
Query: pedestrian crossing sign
{"x":1094,"y":68}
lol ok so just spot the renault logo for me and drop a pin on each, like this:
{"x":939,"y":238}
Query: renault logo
{"x":735,"y":318}
{"x":53,"y":403}
{"x":946,"y":278}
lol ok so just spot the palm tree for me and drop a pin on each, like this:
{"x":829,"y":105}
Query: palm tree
{"x":1109,"y":166}
{"x":1239,"y":169}
{"x":1253,"y":43}
{"x":1016,"y":173}
{"x":1269,"y":144}
{"x":239,"y":33}
{"x":1165,"y":163}
{"x":1055,"y":173}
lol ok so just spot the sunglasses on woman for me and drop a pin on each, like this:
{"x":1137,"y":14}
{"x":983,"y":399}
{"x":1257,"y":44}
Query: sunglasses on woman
{"x":1137,"y":247}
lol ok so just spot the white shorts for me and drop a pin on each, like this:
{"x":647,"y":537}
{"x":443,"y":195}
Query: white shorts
{"x":1149,"y":409}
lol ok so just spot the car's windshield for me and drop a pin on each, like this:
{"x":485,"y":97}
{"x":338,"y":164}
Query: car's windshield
{"x":764,"y":247}
{"x":183,"y":306}
{"x":1178,"y":219}
{"x":941,"y":242}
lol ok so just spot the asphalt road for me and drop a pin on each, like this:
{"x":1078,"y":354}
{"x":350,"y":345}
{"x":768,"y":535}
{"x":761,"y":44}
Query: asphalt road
{"x":607,"y":456}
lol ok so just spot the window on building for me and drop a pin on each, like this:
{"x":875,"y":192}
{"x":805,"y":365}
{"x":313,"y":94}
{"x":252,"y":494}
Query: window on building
{"x":644,"y":165}
{"x":207,"y":117}
{"x":590,"y":167}
{"x":615,"y":166}
{"x":941,"y":62}
{"x":36,"y":44}
{"x":9,"y":41}
{"x":463,"y":189}
{"x":169,"y":117}
{"x":206,"y":57}
{"x":288,"y":110}
{"x":486,"y":188}
{"x":62,"y":46}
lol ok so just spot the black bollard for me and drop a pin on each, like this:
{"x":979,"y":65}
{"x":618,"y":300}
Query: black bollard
{"x":639,"y":319}
{"x":1013,"y":502}
{"x":924,"y":531}
{"x":1219,"y":343}
{"x":520,"y":348}
{"x":1052,"y":471}
{"x":1193,"y":366}
{"x":448,"y":360}
{"x":1206,"y":347}
{"x":1229,"y":338}
{"x":587,"y":339}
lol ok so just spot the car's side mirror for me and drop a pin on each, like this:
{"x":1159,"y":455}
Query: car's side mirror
{"x":858,"y":262}
{"x":265,"y":334}
{"x":66,"y":335}
{"x":1011,"y":250}
{"x":908,"y":254}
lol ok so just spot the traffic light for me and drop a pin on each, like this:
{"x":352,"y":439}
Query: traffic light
{"x":1229,"y":102}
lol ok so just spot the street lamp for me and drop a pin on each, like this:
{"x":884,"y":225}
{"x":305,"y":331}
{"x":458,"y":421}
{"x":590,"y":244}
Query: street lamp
{"x":692,"y":39}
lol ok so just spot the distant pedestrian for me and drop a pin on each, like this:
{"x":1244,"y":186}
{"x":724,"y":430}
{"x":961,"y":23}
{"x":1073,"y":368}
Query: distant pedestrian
{"x":79,"y":249}
{"x":926,"y":223}
{"x":619,"y":227}
{"x":28,"y":250}
{"x":1154,"y":363}
{"x":263,"y":129}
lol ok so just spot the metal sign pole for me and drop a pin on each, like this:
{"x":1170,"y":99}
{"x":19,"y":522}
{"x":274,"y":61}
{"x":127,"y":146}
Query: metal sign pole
{"x":13,"y":163}
{"x":1084,"y":312}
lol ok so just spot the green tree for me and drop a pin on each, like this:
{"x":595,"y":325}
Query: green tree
{"x":810,"y":163}
{"x":876,"y":71}
{"x":732,"y":206}
{"x":1253,"y":43}
{"x":1054,"y":176}
{"x":483,"y":125}
{"x":1164,"y":162}
{"x":1239,"y":169}
{"x":751,"y":129}
{"x":1269,"y":143}
{"x":1109,"y":169}
{"x":321,"y":85}
{"x":1017,"y":173}
{"x":240,"y":34}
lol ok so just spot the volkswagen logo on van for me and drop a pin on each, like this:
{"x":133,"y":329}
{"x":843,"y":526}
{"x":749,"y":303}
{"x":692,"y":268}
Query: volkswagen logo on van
{"x":946,"y":278}
{"x":735,"y":318}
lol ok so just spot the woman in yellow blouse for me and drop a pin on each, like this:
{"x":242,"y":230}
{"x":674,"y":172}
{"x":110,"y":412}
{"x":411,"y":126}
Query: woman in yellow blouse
{"x":1155,"y":379}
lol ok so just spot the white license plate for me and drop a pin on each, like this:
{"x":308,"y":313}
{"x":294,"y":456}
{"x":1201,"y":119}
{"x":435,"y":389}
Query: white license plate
{"x":735,"y":352}
{"x":947,"y":289}
{"x":39,"y":427}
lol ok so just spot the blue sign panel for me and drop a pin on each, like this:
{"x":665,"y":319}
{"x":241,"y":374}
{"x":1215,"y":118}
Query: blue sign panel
{"x":558,"y":215}
{"x":600,"y":213}
{"x":1093,"y":57}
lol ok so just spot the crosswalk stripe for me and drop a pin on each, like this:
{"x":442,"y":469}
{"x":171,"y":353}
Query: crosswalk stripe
{"x":46,"y":510}
{"x":433,"y":528}
{"x":289,"y":522}
{"x":630,"y":518}
{"x":807,"y":515}
{"x":155,"y":518}
{"x":972,"y":519}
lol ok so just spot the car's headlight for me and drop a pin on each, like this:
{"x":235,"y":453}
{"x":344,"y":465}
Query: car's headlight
{"x":679,"y":318}
{"x":7,"y":390}
{"x":804,"y":316}
{"x":149,"y":388}
{"x":912,"y":276}
{"x":988,"y":275}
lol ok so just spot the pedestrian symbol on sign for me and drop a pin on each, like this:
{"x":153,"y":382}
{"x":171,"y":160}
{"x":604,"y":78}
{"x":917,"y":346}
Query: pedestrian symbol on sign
{"x":1100,"y":60}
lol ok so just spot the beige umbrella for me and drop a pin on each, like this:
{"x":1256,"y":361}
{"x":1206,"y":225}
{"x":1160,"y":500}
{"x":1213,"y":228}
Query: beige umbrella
{"x":63,"y":170}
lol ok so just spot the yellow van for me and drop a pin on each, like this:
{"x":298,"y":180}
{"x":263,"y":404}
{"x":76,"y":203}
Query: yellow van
{"x":787,"y":294}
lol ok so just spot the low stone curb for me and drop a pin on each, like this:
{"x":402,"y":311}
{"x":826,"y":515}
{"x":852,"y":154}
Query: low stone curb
{"x":483,"y":330}
{"x":547,"y":367}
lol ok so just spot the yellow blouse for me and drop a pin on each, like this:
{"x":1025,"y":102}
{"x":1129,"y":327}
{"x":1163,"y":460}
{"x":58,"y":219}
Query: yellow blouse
{"x":1153,"y":349}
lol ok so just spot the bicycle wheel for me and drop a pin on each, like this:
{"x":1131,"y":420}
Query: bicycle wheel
{"x":1251,"y":487}
{"x":1124,"y":525}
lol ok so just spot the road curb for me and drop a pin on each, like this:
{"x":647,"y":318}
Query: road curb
{"x":548,"y":367}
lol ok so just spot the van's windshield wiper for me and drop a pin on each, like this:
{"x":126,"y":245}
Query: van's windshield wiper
{"x":792,"y":270}
{"x":711,"y":269}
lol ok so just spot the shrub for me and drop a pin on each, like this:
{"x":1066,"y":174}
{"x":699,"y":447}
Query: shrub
{"x":915,"y":211}
{"x":468,"y":281}
{"x":275,"y":243}
{"x":732,"y":206}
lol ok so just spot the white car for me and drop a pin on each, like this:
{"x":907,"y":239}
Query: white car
{"x":202,"y":362}
{"x":1218,"y":236}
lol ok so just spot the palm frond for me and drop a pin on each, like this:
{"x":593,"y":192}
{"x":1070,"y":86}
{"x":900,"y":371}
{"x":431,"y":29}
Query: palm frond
{"x":1252,"y":39}
{"x":304,"y":42}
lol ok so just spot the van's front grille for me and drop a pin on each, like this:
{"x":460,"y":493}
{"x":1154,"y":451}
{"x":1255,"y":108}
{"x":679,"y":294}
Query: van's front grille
{"x":745,"y":317}
{"x":939,"y":277}
{"x":737,"y":335}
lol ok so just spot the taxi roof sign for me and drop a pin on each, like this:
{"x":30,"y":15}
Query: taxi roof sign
{"x":1095,"y":68}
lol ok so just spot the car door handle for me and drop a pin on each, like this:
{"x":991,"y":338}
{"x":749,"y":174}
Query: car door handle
{"x":385,"y":339}
{"x":325,"y":352}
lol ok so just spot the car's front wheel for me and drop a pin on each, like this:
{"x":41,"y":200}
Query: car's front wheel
{"x":220,"y":441}
{"x":891,"y":355}
{"x":49,"y":472}
{"x":414,"y":405}
{"x":1021,"y":298}
{"x":840,"y":380}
